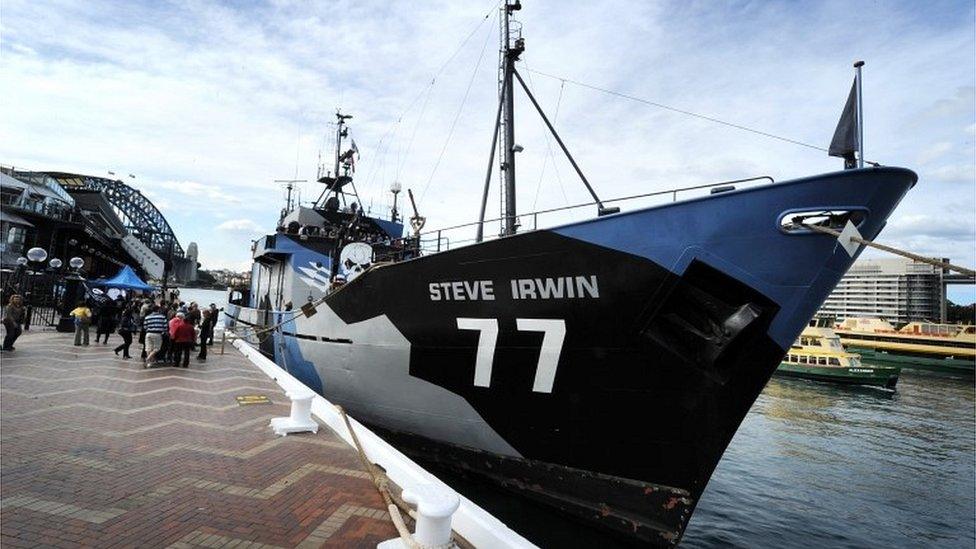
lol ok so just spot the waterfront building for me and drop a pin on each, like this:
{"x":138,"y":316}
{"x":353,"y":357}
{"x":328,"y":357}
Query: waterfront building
{"x":103,"y":222}
{"x":895,"y":289}
{"x":227,"y":277}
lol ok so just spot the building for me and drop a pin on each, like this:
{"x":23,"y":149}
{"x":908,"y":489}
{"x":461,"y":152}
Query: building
{"x":898,"y":290}
{"x":83,"y":227}
{"x":104,"y":222}
{"x":226,"y":277}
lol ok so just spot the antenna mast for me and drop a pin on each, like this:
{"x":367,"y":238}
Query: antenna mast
{"x":289,"y":185}
{"x":510,"y":53}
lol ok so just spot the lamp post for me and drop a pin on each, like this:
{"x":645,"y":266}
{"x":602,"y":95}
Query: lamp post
{"x":18,"y":275}
{"x":34,"y":255}
{"x":21,"y":267}
{"x":72,"y":285}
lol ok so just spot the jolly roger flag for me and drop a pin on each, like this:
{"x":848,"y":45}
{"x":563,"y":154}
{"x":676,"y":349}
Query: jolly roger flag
{"x":844,"y":143}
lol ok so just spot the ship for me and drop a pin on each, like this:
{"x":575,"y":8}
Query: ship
{"x":819,"y":355}
{"x":942,"y":348}
{"x":599,"y":367}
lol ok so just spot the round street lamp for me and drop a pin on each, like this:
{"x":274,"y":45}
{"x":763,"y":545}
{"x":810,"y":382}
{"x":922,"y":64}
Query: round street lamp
{"x":22,"y":261}
{"x":37,"y":255}
{"x":55,"y":263}
{"x":73,"y":291}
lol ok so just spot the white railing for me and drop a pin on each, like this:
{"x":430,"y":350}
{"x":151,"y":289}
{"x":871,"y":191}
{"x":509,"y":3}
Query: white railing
{"x":447,"y":238}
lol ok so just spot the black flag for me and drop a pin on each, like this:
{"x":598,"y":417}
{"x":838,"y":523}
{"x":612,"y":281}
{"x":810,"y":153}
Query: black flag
{"x":844,"y":142}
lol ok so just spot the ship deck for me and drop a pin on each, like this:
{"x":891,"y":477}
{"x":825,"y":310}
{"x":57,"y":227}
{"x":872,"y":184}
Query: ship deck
{"x":98,"y":451}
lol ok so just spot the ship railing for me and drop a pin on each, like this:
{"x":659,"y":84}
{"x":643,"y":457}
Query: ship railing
{"x":438,"y":240}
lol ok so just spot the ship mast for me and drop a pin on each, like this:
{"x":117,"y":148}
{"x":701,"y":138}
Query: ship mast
{"x":335,"y":181}
{"x":505,"y":129}
{"x":510,"y":53}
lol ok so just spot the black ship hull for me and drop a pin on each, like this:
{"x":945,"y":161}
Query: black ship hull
{"x":603,"y":377}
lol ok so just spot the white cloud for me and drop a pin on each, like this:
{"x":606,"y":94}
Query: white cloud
{"x":955,"y":173}
{"x":209,"y":104}
{"x":953,"y":227}
{"x":934,"y":151}
{"x":245,"y":226}
{"x":198,"y":190}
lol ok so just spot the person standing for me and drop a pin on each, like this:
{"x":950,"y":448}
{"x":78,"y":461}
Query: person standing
{"x":13,"y":319}
{"x":155,"y":327}
{"x":106,"y":321}
{"x":127,"y":325}
{"x":214,"y":317}
{"x":206,"y":332}
{"x":83,"y":316}
{"x":143,"y":313}
{"x":166,"y":353}
{"x":193,"y":318}
{"x":182,"y":334}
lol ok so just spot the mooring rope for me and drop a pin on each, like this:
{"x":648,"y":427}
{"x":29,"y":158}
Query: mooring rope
{"x":394,"y":503}
{"x":922,"y":259}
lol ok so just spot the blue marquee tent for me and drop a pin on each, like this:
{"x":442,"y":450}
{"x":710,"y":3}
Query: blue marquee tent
{"x":126,"y":278}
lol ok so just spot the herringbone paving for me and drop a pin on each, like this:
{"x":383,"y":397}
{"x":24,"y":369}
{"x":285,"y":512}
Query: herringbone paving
{"x":97,"y":451}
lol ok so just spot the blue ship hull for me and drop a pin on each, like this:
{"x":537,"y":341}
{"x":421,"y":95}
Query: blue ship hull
{"x":601,"y":367}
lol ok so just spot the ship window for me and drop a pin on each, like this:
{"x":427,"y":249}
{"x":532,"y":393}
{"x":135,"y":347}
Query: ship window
{"x":834,"y":361}
{"x":822,"y":360}
{"x":804,"y":341}
{"x":803,"y":359}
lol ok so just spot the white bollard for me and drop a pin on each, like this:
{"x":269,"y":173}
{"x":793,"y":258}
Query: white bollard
{"x":300,"y":419}
{"x":435,"y":508}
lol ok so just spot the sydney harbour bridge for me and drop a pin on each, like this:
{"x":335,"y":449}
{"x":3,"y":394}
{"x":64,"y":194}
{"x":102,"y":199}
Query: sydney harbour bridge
{"x":103,"y":221}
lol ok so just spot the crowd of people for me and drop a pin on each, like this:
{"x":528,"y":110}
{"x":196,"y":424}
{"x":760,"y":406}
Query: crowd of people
{"x":168,"y":331}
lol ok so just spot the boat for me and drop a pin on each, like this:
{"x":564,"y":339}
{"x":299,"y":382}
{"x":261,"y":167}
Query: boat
{"x":819,"y":355}
{"x":600,"y":367}
{"x":944,"y":348}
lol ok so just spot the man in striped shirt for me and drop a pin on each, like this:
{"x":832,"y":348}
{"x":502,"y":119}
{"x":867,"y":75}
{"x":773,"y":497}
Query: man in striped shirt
{"x":155,"y":326}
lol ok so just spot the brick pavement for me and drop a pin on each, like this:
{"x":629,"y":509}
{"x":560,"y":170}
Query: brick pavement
{"x":97,"y":451}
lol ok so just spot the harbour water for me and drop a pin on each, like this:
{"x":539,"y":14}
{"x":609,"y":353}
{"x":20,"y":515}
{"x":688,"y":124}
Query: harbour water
{"x":204,"y":296}
{"x":815,"y":464}
{"x":820,"y":464}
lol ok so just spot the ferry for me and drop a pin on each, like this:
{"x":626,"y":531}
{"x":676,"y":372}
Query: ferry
{"x":818,"y":354}
{"x":943,"y":348}
{"x":599,"y":367}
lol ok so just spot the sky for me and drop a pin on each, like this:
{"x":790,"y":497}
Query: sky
{"x":208,"y":104}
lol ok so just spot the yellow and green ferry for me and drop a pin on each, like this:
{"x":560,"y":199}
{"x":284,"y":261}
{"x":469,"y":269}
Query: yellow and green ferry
{"x":944,"y":348}
{"x":818,"y":354}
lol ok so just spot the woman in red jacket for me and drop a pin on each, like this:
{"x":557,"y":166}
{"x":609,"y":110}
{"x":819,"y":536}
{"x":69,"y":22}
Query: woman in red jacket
{"x":182,"y":334}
